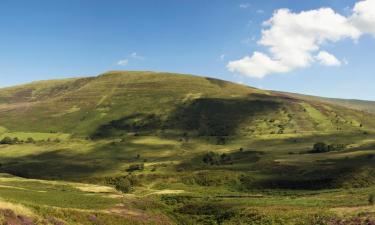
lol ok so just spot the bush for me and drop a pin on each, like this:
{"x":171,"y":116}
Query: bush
{"x":220,"y":140}
{"x":322,"y":147}
{"x":7,"y":141}
{"x":124,"y":185}
{"x":135,"y":167}
{"x":211,"y":213}
{"x":213,"y":158}
{"x":371,"y":199}
{"x":30,"y":140}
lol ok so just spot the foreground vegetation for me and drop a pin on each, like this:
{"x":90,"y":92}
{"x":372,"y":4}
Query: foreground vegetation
{"x":273,"y":179}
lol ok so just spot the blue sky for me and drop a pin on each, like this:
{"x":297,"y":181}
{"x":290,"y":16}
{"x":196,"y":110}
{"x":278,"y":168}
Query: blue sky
{"x":46,"y":39}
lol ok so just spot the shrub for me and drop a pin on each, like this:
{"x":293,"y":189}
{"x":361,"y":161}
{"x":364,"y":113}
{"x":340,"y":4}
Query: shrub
{"x":321,"y":147}
{"x":30,"y":140}
{"x":124,"y":185}
{"x":7,"y":141}
{"x":213,"y":158}
{"x":220,"y":140}
{"x":135,"y":167}
{"x":371,"y":199}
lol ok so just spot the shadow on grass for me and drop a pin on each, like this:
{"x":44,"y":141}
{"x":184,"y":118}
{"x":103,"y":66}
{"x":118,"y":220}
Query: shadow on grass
{"x":205,"y":116}
{"x":218,"y":117}
{"x":348,"y":172}
{"x":69,"y":164}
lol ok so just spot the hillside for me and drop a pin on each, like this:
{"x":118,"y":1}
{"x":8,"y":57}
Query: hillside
{"x":367,"y":106}
{"x":161,"y":148}
{"x":118,"y":102}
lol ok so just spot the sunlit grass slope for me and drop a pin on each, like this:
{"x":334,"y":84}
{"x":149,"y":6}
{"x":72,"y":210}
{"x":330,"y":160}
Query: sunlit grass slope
{"x":119,"y":102}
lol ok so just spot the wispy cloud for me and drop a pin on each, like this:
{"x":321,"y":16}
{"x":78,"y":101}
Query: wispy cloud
{"x":132,"y":56}
{"x":123,"y":62}
{"x":245,"y":5}
{"x":135,"y":55}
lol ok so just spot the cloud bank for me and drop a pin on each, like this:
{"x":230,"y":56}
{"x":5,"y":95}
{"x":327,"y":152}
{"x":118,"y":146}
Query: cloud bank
{"x":294,"y":40}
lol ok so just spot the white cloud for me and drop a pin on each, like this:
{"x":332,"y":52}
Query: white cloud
{"x":258,"y":65}
{"x":364,"y":16}
{"x":222,"y":57}
{"x":260,"y":11}
{"x":327,"y":59}
{"x":123,"y":62}
{"x":294,"y":40}
{"x":244,"y":5}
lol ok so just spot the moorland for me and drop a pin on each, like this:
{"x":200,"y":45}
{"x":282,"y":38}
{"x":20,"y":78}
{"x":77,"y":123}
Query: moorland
{"x":160,"y":148}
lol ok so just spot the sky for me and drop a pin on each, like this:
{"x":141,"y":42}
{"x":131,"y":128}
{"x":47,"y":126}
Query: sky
{"x":320,"y":47}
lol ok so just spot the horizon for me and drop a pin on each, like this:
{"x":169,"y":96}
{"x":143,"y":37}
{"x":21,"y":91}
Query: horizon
{"x":176,"y":73}
{"x":232,"y":41}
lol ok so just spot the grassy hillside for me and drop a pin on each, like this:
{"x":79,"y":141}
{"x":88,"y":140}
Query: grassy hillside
{"x":160,"y":148}
{"x":116,"y":103}
{"x":367,"y":106}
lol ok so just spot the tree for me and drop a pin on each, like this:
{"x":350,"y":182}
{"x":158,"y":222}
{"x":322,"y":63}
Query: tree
{"x":6,"y":141}
{"x":124,"y":185}
{"x":320,"y":147}
{"x":16,"y":140}
{"x":30,"y":140}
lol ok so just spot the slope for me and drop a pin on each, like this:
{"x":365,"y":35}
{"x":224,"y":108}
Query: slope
{"x":118,"y":102}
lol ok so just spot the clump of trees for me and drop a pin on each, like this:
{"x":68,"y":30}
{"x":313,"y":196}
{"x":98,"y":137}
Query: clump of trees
{"x":213,"y":158}
{"x":322,"y":147}
{"x":12,"y":141}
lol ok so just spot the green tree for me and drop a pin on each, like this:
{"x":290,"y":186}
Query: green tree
{"x":124,"y":185}
{"x":6,"y":141}
{"x":30,"y":140}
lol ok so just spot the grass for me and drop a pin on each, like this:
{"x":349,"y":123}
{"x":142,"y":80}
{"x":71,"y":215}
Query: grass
{"x":109,"y":123}
{"x":174,"y":167}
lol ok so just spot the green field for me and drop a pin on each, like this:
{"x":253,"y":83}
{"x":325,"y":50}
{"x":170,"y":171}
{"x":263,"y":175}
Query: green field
{"x":160,"y":148}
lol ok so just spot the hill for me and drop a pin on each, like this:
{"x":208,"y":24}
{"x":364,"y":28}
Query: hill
{"x":118,"y":102}
{"x":162,"y":148}
{"x":367,"y":106}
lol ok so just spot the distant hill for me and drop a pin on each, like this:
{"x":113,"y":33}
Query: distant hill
{"x":120,"y":102}
{"x":367,"y":106}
